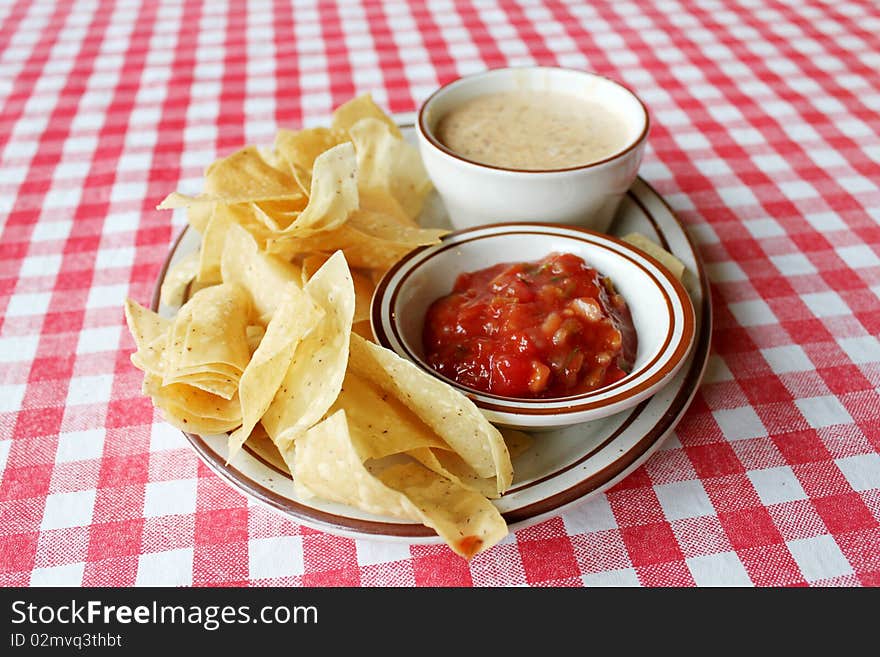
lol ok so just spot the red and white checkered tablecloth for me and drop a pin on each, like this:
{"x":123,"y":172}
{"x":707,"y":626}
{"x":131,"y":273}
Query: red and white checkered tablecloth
{"x":765,"y":141}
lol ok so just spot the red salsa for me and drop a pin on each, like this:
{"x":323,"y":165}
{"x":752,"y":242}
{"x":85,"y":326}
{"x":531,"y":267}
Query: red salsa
{"x":551,"y":328}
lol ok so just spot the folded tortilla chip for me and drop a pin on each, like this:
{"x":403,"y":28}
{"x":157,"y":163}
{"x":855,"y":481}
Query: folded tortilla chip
{"x":357,"y":109}
{"x":329,"y":461}
{"x":261,"y":274}
{"x":449,"y":413}
{"x":295,"y":317}
{"x":178,"y":279}
{"x":209,"y":335}
{"x":316,"y":371}
{"x":390,"y":165}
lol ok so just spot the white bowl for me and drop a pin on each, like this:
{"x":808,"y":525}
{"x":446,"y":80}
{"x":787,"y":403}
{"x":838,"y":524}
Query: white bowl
{"x":661,"y":309}
{"x":587,"y":195}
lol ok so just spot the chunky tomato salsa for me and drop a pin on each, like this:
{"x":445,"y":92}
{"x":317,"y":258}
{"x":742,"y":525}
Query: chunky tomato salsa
{"x":551,"y":328}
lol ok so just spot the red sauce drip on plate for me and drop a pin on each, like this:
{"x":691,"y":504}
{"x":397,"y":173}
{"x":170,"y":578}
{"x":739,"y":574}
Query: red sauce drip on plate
{"x":551,"y":328}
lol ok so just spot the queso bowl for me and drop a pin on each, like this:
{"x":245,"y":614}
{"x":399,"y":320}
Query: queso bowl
{"x":661,"y":310}
{"x":587,"y":195}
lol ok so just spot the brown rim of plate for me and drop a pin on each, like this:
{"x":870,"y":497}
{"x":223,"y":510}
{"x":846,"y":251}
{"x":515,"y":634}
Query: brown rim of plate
{"x":422,"y":127}
{"x":562,"y":405}
{"x":605,"y":477}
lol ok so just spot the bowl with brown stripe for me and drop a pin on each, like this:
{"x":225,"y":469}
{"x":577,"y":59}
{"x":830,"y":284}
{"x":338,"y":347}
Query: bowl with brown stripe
{"x":659,"y":309}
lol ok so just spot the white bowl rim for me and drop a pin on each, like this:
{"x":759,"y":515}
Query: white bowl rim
{"x":428,"y":135}
{"x":555,"y":410}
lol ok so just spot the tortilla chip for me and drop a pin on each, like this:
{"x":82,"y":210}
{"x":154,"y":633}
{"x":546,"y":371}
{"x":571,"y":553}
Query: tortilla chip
{"x":326,"y":462}
{"x":150,"y":332}
{"x":300,"y":149}
{"x":312,"y":264}
{"x":255,"y":333}
{"x":277,"y":215}
{"x":150,"y":358}
{"x":144,"y":324}
{"x":332,"y":198}
{"x":329,"y":461}
{"x":178,"y":279}
{"x":664,"y":257}
{"x":449,"y":413}
{"x":369,"y":240}
{"x":467,"y":521}
{"x":213,"y":240}
{"x":296,"y":315}
{"x":388,"y":164}
{"x":209,"y":334}
{"x":199,"y":208}
{"x":191,"y":409}
{"x":363,"y":285}
{"x":447,"y":464}
{"x":314,"y":377}
{"x":361,"y":107}
{"x":260,"y":444}
{"x":198,"y":214}
{"x":392,"y":428}
{"x":261,"y":274}
{"x":383,"y":203}
{"x":246,"y":176}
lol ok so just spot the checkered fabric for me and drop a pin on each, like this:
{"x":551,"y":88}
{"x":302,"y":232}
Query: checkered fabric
{"x":765,"y":141}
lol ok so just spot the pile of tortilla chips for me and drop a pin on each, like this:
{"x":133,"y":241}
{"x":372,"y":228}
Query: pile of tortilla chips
{"x":272,"y":335}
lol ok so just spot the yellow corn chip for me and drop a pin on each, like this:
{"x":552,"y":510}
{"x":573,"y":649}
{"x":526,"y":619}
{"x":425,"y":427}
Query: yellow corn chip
{"x":213,"y":240}
{"x":664,"y":257}
{"x":209,"y":334}
{"x":329,"y":461}
{"x":246,"y":176}
{"x":333,"y":196}
{"x":296,"y":315}
{"x":449,"y":413}
{"x":191,"y":409}
{"x":261,"y":274}
{"x":388,"y":164}
{"x":314,"y":377}
{"x":177,"y":280}
{"x":467,"y":521}
{"x":300,"y":149}
{"x":361,"y":107}
{"x":391,"y":426}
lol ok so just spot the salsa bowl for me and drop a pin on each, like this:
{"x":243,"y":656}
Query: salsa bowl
{"x":662,"y":313}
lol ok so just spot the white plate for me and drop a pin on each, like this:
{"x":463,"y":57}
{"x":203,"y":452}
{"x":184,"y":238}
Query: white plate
{"x":563,"y":467}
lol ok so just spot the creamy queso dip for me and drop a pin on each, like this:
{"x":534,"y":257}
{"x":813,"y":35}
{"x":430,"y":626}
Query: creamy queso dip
{"x":532,"y":130}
